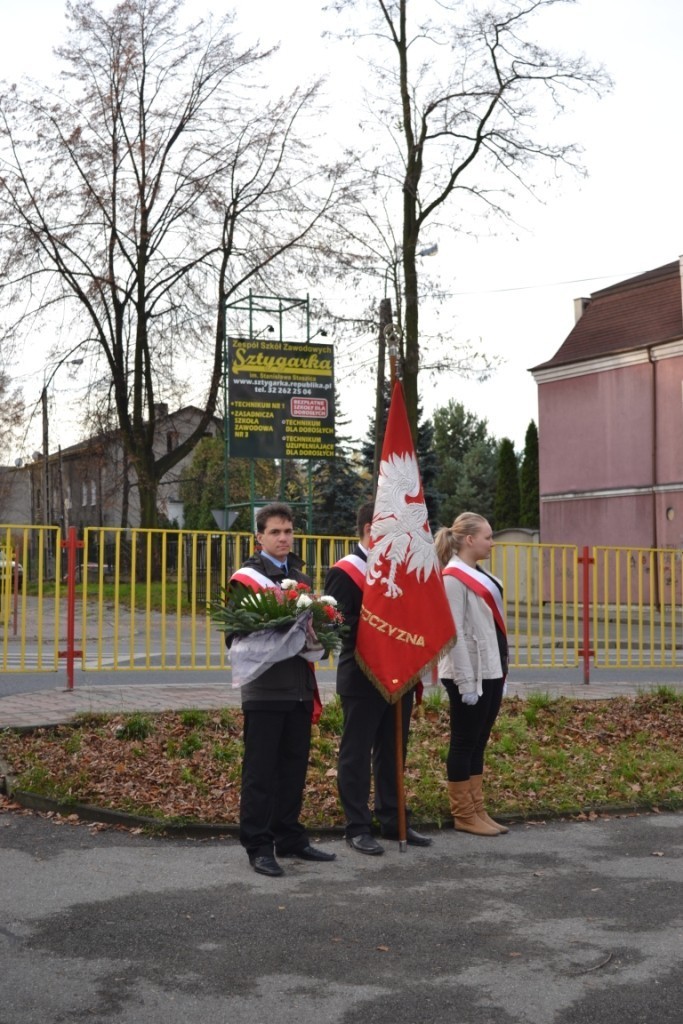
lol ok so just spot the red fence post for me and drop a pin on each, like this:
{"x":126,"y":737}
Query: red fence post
{"x":586,"y":650}
{"x":71,"y":544}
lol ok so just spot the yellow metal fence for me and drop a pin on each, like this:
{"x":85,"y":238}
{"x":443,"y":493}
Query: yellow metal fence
{"x":143,"y":595}
{"x":637,"y":606}
{"x":541,"y":583}
{"x":31,"y":599}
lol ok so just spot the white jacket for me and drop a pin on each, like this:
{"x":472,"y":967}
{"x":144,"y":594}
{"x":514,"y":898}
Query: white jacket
{"x":475,"y":656}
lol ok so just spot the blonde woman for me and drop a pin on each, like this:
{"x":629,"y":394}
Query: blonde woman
{"x":474,"y":671}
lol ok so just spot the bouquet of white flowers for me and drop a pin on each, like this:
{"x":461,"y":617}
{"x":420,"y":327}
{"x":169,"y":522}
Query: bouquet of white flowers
{"x":280,"y":622}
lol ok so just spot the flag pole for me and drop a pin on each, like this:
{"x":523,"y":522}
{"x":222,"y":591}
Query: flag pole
{"x":391,"y":335}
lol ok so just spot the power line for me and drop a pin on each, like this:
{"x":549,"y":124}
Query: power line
{"x":530,"y":287}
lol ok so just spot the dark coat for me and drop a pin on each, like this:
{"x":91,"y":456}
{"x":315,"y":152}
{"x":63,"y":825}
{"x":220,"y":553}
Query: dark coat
{"x":291,"y":679}
{"x":351,"y":680}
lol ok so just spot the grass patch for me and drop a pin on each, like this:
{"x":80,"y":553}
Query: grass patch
{"x":135,"y":727}
{"x":193,"y":718}
{"x":127,"y":595}
{"x":191,"y":744}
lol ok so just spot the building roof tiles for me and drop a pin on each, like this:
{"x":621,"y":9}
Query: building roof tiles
{"x":634,"y":314}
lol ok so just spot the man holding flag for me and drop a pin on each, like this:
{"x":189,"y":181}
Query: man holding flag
{"x":404,"y":620}
{"x":368,"y":743}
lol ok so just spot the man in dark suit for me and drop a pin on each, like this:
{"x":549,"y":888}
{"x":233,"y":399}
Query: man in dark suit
{"x":277,"y":707}
{"x":368,"y":744}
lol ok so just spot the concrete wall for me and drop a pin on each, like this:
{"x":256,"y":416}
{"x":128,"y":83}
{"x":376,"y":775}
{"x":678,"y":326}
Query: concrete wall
{"x":15,"y":495}
{"x":595,"y":431}
{"x":621,"y":431}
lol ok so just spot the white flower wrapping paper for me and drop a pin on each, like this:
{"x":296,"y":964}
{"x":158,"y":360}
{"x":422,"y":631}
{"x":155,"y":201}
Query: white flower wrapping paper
{"x":312,"y":651}
{"x":251,"y":655}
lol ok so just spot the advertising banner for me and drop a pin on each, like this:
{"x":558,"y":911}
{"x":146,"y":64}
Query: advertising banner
{"x":281,"y":399}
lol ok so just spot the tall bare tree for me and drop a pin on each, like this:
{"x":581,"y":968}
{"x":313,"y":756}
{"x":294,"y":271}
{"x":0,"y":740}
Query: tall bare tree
{"x":11,"y":412}
{"x":155,"y":183}
{"x":468,"y":97}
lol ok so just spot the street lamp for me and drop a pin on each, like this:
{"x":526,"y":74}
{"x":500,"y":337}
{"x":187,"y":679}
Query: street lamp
{"x":46,"y":502}
{"x":46,"y":509}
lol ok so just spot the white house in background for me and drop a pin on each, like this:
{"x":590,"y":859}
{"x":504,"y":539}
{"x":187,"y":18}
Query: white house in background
{"x":92,"y":484}
{"x":15,"y":496}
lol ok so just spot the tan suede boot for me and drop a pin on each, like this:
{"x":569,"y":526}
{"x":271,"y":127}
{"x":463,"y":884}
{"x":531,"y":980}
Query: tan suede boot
{"x":465,"y":818}
{"x":476,"y":787}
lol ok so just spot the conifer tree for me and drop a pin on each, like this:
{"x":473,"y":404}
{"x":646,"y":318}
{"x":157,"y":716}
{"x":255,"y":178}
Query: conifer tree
{"x":506,"y":506}
{"x":529,"y":482}
{"x":338,"y":486}
{"x":465,"y":455}
{"x":472,"y":484}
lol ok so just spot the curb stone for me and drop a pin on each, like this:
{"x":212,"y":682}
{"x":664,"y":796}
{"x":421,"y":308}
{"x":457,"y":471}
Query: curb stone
{"x":206,"y":830}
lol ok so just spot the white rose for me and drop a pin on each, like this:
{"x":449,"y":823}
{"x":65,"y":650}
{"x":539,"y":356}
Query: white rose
{"x":326,"y":599}
{"x":303,"y":601}
{"x":288,"y":585}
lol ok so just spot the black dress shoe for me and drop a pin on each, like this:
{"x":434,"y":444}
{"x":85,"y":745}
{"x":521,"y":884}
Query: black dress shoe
{"x":265,"y":864}
{"x":365,"y":843}
{"x":413,"y":838}
{"x":310,"y":853}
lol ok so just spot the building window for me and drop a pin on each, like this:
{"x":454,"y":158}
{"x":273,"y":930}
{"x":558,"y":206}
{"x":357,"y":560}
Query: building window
{"x":84,"y":493}
{"x":93,"y":493}
{"x":172,"y":440}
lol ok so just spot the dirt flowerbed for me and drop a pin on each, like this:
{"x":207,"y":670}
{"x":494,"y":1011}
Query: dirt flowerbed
{"x":546,"y":757}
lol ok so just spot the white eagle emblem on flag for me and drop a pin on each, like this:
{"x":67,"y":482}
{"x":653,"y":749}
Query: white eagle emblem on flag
{"x":400,"y":530}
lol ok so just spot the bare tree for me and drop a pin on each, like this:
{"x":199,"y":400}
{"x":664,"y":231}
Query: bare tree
{"x":153,"y":185}
{"x":11,"y":412}
{"x":369,"y":259}
{"x":468,"y":98}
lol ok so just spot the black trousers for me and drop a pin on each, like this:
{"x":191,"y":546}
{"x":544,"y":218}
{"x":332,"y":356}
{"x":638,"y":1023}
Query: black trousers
{"x":470,"y":728}
{"x":276,"y":748}
{"x":368,"y":748}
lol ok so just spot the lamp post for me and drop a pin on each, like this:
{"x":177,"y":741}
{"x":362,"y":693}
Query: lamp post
{"x":46,"y":509}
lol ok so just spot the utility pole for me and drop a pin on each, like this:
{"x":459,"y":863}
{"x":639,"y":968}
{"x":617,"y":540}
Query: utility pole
{"x":385,"y":317}
{"x":45,"y":507}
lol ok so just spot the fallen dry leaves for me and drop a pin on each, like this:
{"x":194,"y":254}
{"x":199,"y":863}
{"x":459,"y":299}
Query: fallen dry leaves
{"x":564,"y":757}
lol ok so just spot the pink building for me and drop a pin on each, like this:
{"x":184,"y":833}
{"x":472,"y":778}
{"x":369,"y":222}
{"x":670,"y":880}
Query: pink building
{"x":611,"y":418}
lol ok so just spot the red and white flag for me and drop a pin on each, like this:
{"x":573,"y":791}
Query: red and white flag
{"x":405,"y":621}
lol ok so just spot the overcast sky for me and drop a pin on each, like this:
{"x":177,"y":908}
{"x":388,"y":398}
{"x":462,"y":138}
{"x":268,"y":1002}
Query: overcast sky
{"x":511,"y":294}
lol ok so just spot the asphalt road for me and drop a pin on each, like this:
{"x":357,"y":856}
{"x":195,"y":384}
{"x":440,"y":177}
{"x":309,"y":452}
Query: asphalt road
{"x":562,"y":923}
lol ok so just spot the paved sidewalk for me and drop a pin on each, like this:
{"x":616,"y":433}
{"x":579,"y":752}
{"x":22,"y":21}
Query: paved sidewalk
{"x":45,"y":707}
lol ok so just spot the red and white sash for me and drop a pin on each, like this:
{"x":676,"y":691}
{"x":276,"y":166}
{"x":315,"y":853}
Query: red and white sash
{"x":483,"y":586}
{"x":354,"y":566}
{"x":253,"y":579}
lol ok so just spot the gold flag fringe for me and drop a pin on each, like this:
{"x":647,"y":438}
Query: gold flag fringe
{"x":395,"y":696}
